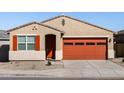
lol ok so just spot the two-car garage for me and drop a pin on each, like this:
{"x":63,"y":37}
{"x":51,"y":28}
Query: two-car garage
{"x":84,"y":48}
{"x":82,"y":40}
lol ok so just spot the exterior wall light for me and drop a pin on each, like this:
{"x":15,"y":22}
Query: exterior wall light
{"x":110,"y":40}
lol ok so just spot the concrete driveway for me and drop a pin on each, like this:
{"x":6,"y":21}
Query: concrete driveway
{"x":87,"y":69}
{"x":78,"y":69}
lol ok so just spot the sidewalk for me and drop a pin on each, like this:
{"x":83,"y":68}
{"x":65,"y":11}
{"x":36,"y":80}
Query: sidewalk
{"x":77,"y":69}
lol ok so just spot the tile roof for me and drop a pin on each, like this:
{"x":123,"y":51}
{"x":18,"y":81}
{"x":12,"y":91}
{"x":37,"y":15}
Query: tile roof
{"x":120,"y":32}
{"x":3,"y":34}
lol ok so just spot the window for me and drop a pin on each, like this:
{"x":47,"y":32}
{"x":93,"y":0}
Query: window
{"x":30,"y":42}
{"x":101,"y":43}
{"x":21,"y":43}
{"x":31,"y":39}
{"x":26,"y":42}
{"x":68,"y":43}
{"x":90,"y":43}
{"x":79,"y":43}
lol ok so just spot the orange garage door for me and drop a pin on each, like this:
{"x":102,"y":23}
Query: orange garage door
{"x":84,"y":48}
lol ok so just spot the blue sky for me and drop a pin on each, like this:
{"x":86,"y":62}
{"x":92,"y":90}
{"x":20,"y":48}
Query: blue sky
{"x":110,"y":20}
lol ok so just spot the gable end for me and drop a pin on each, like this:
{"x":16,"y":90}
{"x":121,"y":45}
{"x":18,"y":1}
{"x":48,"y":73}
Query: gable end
{"x":8,"y":31}
{"x":78,"y":21}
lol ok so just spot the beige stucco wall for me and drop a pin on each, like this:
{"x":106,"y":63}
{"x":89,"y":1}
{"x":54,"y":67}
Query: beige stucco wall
{"x":41,"y":30}
{"x":34,"y":55}
{"x":4,"y":43}
{"x":75,"y":28}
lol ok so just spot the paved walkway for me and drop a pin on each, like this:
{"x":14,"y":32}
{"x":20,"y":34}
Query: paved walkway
{"x":86,"y":69}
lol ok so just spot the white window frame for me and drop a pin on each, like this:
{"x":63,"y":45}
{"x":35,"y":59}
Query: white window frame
{"x":25,"y":42}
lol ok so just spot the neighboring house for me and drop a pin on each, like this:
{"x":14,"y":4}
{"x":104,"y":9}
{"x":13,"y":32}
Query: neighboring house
{"x":4,"y":46}
{"x":60,"y":38}
{"x":119,"y":43}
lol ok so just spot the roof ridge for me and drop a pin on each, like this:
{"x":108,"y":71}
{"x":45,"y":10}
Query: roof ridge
{"x":76,"y":20}
{"x":52,"y":27}
{"x":17,"y":27}
{"x":34,"y":22}
{"x":52,"y":18}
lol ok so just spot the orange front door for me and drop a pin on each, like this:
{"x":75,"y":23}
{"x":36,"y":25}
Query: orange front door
{"x":50,"y":46}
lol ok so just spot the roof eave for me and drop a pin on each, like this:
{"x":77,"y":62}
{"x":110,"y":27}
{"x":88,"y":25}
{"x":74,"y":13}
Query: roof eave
{"x":77,"y":20}
{"x":18,"y":27}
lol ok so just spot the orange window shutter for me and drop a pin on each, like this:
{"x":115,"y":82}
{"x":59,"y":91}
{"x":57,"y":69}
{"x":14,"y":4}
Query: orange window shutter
{"x":14,"y":42}
{"x":37,"y":43}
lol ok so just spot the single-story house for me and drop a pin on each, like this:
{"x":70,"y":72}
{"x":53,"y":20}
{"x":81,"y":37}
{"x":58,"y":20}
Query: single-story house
{"x":119,"y":43}
{"x":60,"y":38}
{"x":4,"y":46}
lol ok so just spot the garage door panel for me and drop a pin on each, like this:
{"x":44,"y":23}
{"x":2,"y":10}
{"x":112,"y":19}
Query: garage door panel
{"x":85,"y":39}
{"x":96,"y":51}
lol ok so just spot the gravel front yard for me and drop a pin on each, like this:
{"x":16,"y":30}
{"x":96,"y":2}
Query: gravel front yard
{"x":31,"y":65}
